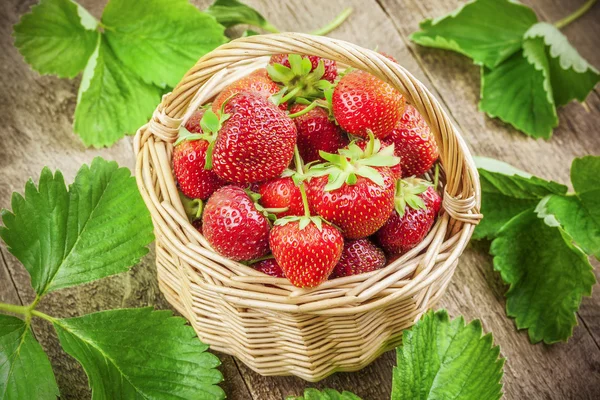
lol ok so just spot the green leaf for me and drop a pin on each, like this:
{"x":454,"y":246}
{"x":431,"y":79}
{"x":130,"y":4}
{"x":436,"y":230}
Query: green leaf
{"x":99,"y":227}
{"x":443,"y":359}
{"x":161,"y":40}
{"x":506,"y":192}
{"x":548,"y":276}
{"x":56,"y":37}
{"x":25,"y":372}
{"x":518,"y":91}
{"x":579,"y":214}
{"x":571,"y":76}
{"x":488,"y":31}
{"x":141,"y":354}
{"x":325,"y":394}
{"x":231,"y":12}
{"x":112,"y":101}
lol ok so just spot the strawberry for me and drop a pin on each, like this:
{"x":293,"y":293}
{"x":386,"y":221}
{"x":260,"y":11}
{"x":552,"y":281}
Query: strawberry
{"x":355,"y":189}
{"x":303,"y":77}
{"x":307,"y":253}
{"x":189,"y":159}
{"x":281,"y":193}
{"x":363,"y":102}
{"x":414,"y":143}
{"x":330,"y":66}
{"x":258,"y":82}
{"x":234,"y":226}
{"x":416,"y":207}
{"x":316,"y":132}
{"x":256,"y":141}
{"x":269,"y":267}
{"x":388,"y":56}
{"x":359,"y":256}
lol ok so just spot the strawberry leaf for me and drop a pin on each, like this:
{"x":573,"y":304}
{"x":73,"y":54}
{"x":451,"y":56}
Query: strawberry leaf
{"x":488,"y":31}
{"x":444,"y":359}
{"x":579,"y":214}
{"x":231,"y":12}
{"x":507,"y":192}
{"x":112,"y":101}
{"x":24,"y":367}
{"x":325,"y":394}
{"x":571,"y":76}
{"x":57,"y":37}
{"x":518,"y":91}
{"x":140,"y":353}
{"x":547,"y":274}
{"x":160,"y":41}
{"x":98,"y":227}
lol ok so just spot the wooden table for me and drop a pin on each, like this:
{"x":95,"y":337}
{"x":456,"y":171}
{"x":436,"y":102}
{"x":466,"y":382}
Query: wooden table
{"x":36,"y":121}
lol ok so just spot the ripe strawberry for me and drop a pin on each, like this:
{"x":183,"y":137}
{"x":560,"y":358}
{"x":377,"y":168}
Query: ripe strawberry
{"x":351,"y":193}
{"x":330,"y":66}
{"x":359,"y":256}
{"x":306,"y":254}
{"x":417,"y":205}
{"x":258,"y":82}
{"x":363,"y":102}
{"x":269,"y":267}
{"x":414,"y":143}
{"x":396,"y":169}
{"x":388,"y":56}
{"x":189,"y":158}
{"x":256,"y":143}
{"x":316,"y":132}
{"x":233,"y":226}
{"x":281,"y":193}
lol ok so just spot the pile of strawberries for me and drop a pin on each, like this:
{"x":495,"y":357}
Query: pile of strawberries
{"x":308,"y":174}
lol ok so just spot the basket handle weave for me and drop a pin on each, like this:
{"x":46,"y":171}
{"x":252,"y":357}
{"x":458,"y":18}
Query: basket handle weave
{"x":461,"y":192}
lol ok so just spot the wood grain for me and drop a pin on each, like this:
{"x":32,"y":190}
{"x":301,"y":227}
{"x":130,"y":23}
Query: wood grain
{"x":37,"y":117}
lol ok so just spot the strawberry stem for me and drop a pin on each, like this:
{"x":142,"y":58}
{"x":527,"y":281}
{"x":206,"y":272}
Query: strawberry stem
{"x":333,"y":24}
{"x":436,"y":177}
{"x":572,"y":17}
{"x":304,"y":200}
{"x":304,"y":111}
{"x":291,"y":94}
{"x":298,"y":161}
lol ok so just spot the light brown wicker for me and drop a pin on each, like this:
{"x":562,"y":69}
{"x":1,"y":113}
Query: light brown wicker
{"x":272,"y":326}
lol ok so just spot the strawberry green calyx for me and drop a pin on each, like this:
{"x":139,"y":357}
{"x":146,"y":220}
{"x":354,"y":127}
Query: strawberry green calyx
{"x":270,"y":213}
{"x":407,"y":193}
{"x":299,"y":80}
{"x":344,"y":167}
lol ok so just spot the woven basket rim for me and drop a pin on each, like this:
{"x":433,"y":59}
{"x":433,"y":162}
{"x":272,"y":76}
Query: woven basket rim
{"x":411,"y":274}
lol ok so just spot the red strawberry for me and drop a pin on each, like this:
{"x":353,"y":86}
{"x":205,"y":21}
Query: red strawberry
{"x":351,"y":193}
{"x":281,"y":193}
{"x":417,"y":205}
{"x":258,"y":81}
{"x":396,"y":169}
{"x":189,"y":158}
{"x":306,"y":255}
{"x":329,"y":65}
{"x":233,"y":226}
{"x":256,"y":143}
{"x":359,"y":256}
{"x":414,"y":143}
{"x":316,"y":132}
{"x":388,"y":56}
{"x":269,"y":267}
{"x":363,"y":102}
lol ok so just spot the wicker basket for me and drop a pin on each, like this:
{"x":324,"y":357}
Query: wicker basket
{"x":272,"y":326}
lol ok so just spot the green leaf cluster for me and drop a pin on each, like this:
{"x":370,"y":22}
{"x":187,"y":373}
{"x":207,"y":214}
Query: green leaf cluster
{"x":66,"y":236}
{"x":528,"y":68}
{"x":129,"y":58}
{"x":541,"y":239}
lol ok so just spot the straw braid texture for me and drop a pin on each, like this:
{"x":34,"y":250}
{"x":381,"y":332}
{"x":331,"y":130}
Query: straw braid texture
{"x":272,"y":326}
